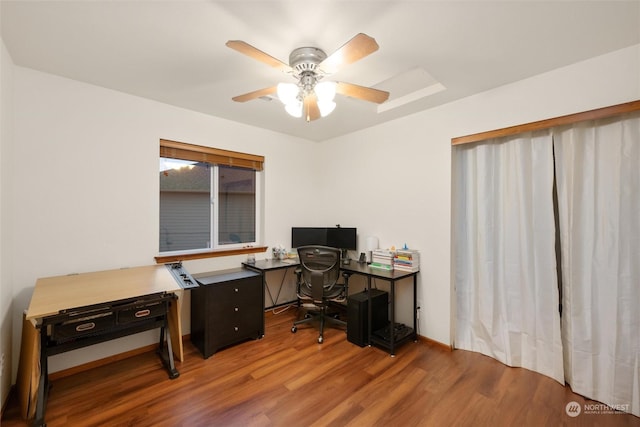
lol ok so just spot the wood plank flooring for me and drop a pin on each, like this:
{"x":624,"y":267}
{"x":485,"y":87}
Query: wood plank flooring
{"x":288,"y":379}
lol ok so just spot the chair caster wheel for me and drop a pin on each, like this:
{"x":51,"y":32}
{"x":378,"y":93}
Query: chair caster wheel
{"x":320,"y":340}
{"x":294,"y":329}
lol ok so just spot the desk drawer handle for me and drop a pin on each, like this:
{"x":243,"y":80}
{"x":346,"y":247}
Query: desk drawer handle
{"x":85,"y":327}
{"x":235,"y":309}
{"x":236,"y":289}
{"x":143,"y":313}
{"x":235,"y":328}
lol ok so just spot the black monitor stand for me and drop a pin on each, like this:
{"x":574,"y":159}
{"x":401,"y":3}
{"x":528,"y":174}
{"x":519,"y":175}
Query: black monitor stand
{"x":344,"y":255}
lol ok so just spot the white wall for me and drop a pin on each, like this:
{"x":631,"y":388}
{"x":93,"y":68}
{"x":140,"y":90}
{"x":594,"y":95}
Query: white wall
{"x":402,"y":191}
{"x":6,"y":288}
{"x":85,"y":184}
{"x":81,"y":205}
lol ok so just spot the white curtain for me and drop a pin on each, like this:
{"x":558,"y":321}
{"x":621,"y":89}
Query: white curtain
{"x":598,"y":178}
{"x":505,"y":265}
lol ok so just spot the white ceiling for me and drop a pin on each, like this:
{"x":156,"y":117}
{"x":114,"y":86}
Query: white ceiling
{"x":174,"y":51}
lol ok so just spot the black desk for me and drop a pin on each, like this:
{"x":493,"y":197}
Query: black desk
{"x":355,"y":267}
{"x":264,"y":266}
{"x":392,"y":276}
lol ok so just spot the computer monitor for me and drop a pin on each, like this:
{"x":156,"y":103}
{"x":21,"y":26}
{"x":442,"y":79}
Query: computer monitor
{"x":304,"y":236}
{"x":342,"y":238}
{"x":336,"y":237}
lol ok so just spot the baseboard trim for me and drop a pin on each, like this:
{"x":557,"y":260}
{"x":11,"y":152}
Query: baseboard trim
{"x":435,"y":343}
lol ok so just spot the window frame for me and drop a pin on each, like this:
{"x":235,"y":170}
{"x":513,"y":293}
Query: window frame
{"x":216,"y":157}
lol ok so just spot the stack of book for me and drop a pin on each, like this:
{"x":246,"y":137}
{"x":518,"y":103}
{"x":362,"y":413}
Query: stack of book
{"x":406,"y":260}
{"x":382,"y":258}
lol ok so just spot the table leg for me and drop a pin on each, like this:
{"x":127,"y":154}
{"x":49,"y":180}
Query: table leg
{"x":284,"y":276}
{"x":167,"y":358}
{"x":175,"y":327}
{"x":369,"y":311}
{"x":266,"y":286}
{"x":43,"y":382}
{"x":392,"y":317}
{"x":415,"y":307}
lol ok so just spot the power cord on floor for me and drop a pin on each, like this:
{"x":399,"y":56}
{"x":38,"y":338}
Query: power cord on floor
{"x":282,"y":309}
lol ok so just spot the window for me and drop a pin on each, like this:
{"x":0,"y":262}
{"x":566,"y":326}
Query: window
{"x":209,"y":198}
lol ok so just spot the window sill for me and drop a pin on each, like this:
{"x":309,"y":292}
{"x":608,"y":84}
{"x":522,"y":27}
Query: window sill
{"x":210,"y":254}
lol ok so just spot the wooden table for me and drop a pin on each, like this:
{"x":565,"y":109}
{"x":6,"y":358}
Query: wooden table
{"x":89,"y":296}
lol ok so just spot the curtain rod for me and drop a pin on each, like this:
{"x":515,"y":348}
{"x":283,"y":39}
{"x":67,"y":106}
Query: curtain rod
{"x":599,"y":113}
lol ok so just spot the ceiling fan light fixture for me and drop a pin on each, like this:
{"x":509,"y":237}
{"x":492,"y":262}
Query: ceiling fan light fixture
{"x":288,"y":92}
{"x":325,"y":91}
{"x":326,"y":107}
{"x":309,"y":65}
{"x":294,"y":108}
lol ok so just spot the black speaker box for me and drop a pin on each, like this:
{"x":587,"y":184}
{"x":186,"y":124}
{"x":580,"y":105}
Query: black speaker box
{"x":357,"y":315}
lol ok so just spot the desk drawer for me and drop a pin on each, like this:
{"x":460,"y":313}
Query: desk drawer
{"x":141,"y":312}
{"x":227,"y":308}
{"x":82,"y":326}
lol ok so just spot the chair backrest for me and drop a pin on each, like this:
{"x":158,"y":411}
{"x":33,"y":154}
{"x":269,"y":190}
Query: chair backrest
{"x":320,"y":267}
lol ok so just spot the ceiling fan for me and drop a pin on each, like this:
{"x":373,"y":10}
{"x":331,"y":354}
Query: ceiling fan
{"x":308,"y":66}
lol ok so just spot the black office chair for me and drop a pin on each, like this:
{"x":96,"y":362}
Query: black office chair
{"x":318,"y":285}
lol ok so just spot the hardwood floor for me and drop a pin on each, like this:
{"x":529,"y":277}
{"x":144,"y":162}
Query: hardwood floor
{"x":288,"y":379}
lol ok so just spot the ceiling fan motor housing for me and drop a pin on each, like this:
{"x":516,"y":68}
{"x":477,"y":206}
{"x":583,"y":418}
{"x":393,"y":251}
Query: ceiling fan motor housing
{"x":305,"y":59}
